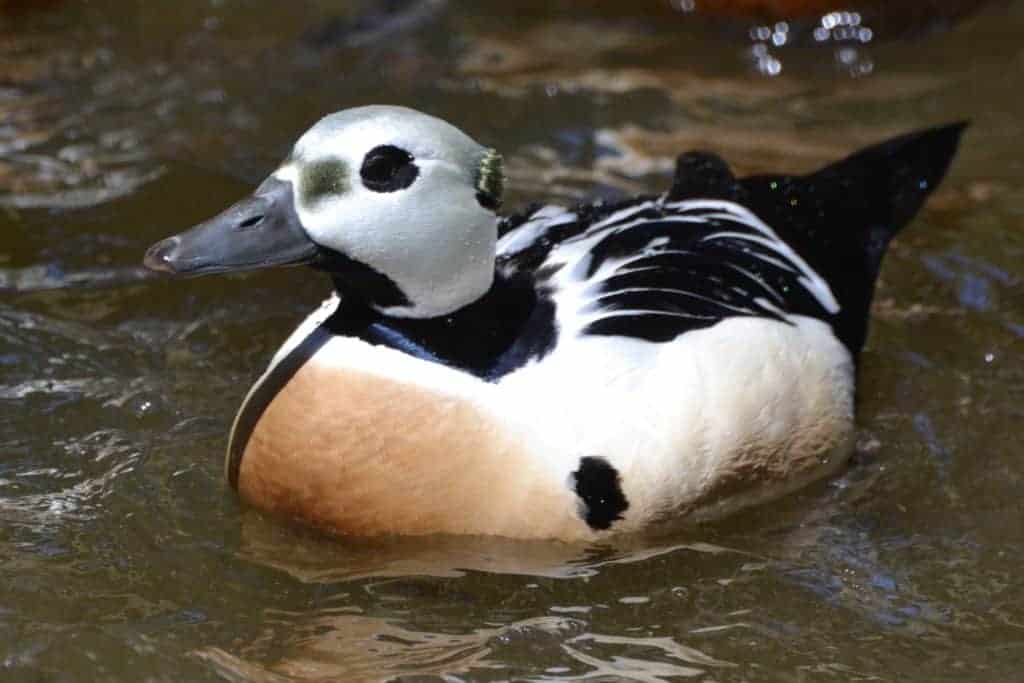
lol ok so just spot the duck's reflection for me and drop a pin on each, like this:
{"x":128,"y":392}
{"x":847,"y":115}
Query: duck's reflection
{"x":311,"y":558}
{"x":344,"y":639}
{"x":358,"y":648}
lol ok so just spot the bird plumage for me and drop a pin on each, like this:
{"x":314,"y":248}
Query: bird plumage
{"x":665,"y":358}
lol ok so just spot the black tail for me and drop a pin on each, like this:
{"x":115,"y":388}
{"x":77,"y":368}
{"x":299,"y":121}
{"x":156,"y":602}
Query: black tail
{"x":841,"y":218}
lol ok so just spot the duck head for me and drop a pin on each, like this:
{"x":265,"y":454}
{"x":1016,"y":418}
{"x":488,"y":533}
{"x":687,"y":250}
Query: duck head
{"x":398,"y":206}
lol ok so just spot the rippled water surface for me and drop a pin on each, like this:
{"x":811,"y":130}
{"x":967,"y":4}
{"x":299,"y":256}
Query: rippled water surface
{"x":123,"y":555}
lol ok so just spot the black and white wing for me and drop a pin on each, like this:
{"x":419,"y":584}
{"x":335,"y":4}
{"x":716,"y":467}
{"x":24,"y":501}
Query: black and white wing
{"x":715,"y":246}
{"x":654,"y":269}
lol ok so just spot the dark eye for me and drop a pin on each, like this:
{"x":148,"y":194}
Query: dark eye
{"x":388,"y":168}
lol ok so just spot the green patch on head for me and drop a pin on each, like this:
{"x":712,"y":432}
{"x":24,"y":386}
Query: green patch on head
{"x":490,"y":182}
{"x":321,"y":179}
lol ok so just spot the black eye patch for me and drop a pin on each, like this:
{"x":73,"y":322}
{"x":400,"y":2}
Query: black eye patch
{"x":388,"y":168}
{"x":320,"y":179}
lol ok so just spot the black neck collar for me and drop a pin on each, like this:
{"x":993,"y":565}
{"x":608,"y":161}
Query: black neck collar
{"x":489,"y":337}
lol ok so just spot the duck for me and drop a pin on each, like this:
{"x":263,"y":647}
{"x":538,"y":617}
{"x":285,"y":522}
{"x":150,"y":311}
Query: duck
{"x":559,"y":373}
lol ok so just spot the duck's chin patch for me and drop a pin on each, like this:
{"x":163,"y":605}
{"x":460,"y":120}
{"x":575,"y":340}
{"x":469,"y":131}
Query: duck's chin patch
{"x":419,"y":298}
{"x":442,"y":299}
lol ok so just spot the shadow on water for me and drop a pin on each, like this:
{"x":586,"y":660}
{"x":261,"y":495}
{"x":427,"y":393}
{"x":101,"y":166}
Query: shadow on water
{"x":123,"y":555}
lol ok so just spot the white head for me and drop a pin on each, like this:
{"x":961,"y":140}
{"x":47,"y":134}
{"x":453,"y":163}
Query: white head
{"x":399,"y":207}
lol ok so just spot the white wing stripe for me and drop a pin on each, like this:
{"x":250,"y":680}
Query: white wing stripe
{"x":571,"y":259}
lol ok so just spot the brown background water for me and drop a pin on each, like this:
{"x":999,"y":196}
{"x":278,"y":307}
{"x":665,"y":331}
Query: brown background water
{"x":123,"y":557}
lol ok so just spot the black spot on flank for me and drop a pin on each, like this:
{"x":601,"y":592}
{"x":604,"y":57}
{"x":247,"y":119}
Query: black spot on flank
{"x":596,"y":482}
{"x":321,"y":179}
{"x":387,"y":168}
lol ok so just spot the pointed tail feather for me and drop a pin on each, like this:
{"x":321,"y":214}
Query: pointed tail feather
{"x":842,"y":217}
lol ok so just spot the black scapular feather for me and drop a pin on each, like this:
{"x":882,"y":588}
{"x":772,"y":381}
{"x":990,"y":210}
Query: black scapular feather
{"x":841,"y":218}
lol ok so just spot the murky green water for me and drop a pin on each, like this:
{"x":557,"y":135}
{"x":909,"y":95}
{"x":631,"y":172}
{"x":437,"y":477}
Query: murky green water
{"x":123,"y":556}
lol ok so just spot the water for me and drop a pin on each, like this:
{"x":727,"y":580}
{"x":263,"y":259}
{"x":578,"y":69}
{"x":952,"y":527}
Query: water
{"x":124,"y":557}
